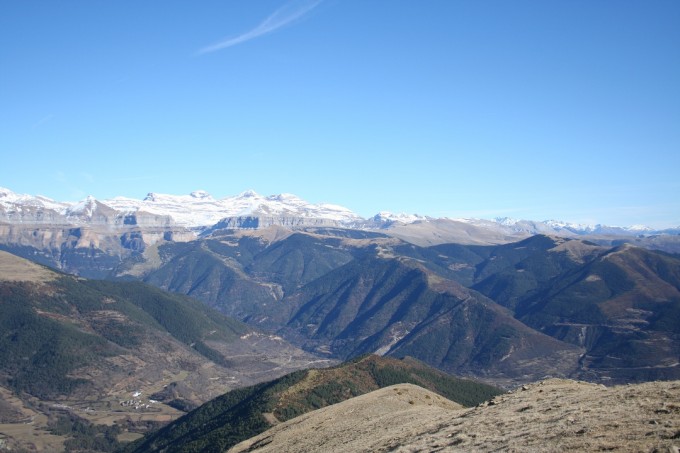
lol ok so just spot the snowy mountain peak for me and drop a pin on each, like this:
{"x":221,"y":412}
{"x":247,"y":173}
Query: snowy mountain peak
{"x":199,"y":196}
{"x":249,"y":194}
{"x":386,"y":216}
{"x":13,"y":201}
{"x":559,"y":224}
{"x":85,"y":207}
{"x":201,"y":210}
{"x":568,"y":228}
{"x":284,"y":197}
{"x":506,"y":221}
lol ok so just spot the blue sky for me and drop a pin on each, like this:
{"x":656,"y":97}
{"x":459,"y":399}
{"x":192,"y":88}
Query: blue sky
{"x":565,"y":110}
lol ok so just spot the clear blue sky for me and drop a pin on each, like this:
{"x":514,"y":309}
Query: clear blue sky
{"x":542,"y":109}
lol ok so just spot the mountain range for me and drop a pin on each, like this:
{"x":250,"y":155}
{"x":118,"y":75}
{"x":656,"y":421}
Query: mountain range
{"x":509,"y":306}
{"x":512,"y":313}
{"x":199,"y":211}
{"x":95,"y":236}
{"x":95,"y":310}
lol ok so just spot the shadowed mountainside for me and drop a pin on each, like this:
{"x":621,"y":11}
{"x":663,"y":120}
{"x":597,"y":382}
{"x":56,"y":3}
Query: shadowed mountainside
{"x":347,"y":296}
{"x":622,"y":304}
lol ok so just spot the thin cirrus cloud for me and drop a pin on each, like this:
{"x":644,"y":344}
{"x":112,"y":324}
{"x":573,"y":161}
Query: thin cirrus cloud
{"x":283,"y":16}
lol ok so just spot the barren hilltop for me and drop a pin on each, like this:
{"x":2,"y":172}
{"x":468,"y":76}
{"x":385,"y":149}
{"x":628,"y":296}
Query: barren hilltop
{"x":548,"y":416}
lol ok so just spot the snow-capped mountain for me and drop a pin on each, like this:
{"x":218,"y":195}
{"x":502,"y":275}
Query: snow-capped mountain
{"x":105,"y":232}
{"x":568,"y":228}
{"x":201,"y":212}
{"x":198,"y":210}
{"x":10,"y":200}
{"x":385,"y":217}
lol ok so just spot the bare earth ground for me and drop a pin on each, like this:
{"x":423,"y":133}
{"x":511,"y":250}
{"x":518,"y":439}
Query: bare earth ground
{"x":548,"y":416}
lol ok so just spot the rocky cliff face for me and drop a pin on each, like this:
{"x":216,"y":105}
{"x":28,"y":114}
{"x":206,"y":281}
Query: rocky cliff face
{"x":89,"y":237}
{"x":263,"y":221}
{"x":91,"y":250}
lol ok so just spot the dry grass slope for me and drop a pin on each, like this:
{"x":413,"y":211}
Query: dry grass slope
{"x":548,"y":416}
{"x":356,"y":424}
{"x":13,"y":268}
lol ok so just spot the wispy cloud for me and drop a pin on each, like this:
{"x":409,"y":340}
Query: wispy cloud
{"x":285,"y":15}
{"x":43,"y":120}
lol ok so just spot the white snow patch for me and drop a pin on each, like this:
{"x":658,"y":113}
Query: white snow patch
{"x":200,"y":209}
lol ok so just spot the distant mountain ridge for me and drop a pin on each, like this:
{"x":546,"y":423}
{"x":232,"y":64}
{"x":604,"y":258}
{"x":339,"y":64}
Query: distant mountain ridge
{"x":199,"y":210}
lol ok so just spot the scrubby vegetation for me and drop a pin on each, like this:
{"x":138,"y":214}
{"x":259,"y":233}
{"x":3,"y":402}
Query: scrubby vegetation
{"x":83,"y":436}
{"x":37,"y":353}
{"x":463,"y":391}
{"x":49,"y":330}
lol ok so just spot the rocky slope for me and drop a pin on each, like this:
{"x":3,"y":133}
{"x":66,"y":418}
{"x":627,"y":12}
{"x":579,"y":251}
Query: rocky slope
{"x":365,"y":423}
{"x":548,"y":416}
